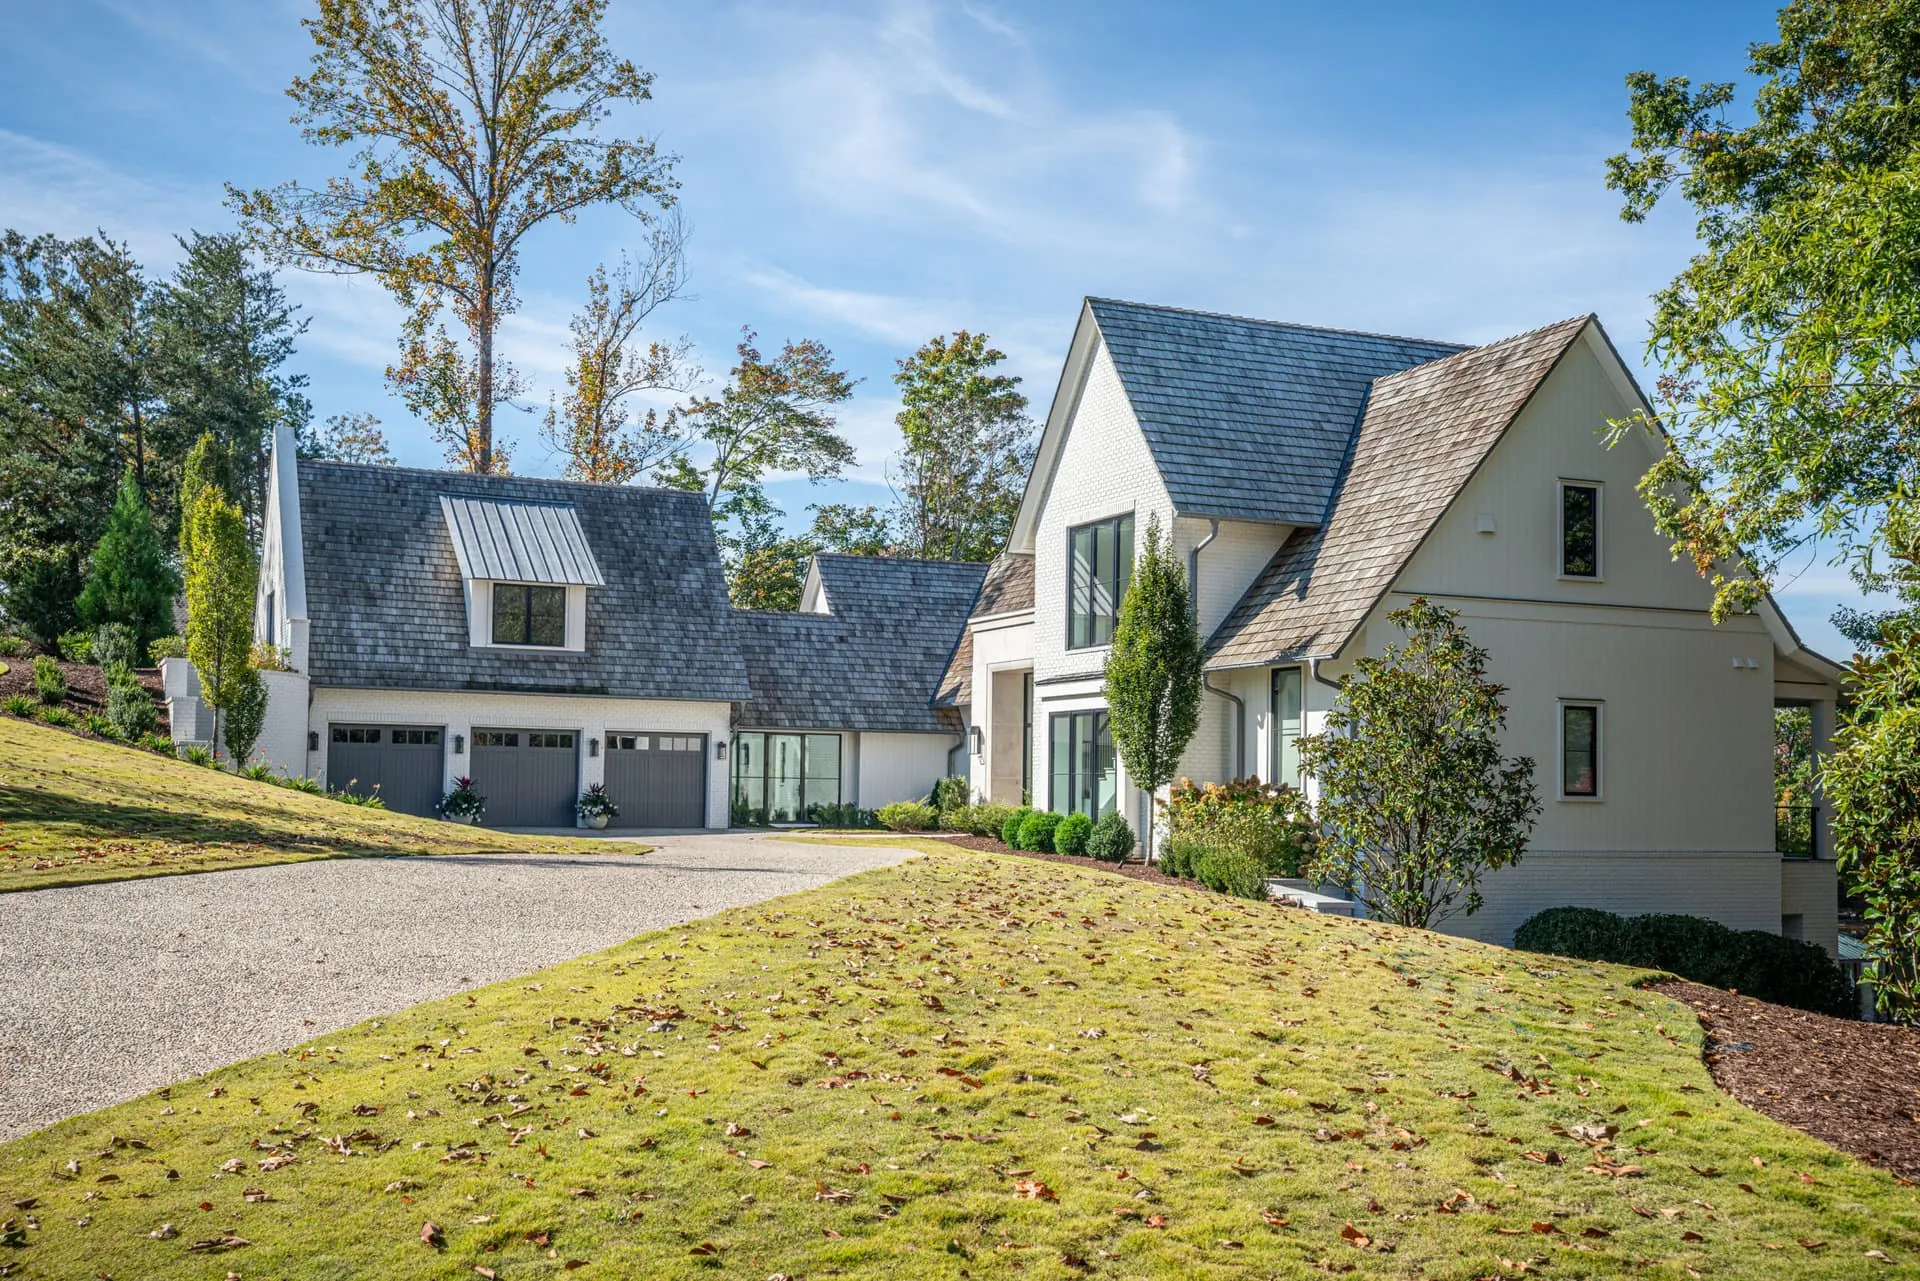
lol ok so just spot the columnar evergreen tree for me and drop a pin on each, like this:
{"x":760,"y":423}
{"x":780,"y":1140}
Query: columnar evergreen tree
{"x":1154,"y":669}
{"x":1416,"y":803}
{"x":476,"y":121}
{"x":221,"y":580}
{"x":966,"y":446}
{"x":208,"y":470}
{"x":129,"y":579}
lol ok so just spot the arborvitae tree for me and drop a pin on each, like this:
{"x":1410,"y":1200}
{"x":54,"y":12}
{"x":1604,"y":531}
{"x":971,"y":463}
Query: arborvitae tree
{"x":221,"y":580}
{"x":1154,"y":669}
{"x":128,"y":579}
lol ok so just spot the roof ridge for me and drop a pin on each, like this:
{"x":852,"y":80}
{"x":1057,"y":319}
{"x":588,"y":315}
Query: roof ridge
{"x":1281,"y":324}
{"x":600,"y":486}
{"x":900,"y":560}
{"x":1535,"y":332}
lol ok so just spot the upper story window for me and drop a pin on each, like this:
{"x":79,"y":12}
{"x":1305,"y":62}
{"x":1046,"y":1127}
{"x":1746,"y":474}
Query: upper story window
{"x":1099,"y":563}
{"x":529,"y":614}
{"x":1580,"y":751}
{"x":1579,"y":529}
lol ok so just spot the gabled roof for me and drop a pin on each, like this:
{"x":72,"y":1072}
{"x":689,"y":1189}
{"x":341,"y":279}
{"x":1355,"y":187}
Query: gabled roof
{"x":520,"y":542}
{"x":875,"y":661}
{"x":387,"y":603}
{"x":1279,"y":400}
{"x":1424,"y":434}
{"x":1008,"y":589}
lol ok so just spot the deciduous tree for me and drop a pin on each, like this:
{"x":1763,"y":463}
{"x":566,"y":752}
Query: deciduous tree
{"x":222,"y":577}
{"x":966,"y":447}
{"x":348,"y":438}
{"x":1154,"y":669}
{"x":1415,"y":801}
{"x":474,"y":122}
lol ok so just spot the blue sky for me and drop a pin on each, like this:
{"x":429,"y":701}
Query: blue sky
{"x":874,"y":172}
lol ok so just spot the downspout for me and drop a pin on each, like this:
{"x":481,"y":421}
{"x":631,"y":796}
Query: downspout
{"x":1206,"y":682}
{"x":1313,"y":670}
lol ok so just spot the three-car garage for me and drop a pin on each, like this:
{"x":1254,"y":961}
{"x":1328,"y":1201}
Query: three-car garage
{"x":529,"y":777}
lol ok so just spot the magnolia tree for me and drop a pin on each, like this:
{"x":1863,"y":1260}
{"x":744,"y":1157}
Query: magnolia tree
{"x":1416,"y":801}
{"x":1153,"y":671}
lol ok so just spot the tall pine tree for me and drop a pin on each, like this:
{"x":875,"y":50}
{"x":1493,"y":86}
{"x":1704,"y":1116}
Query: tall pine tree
{"x":128,"y":578}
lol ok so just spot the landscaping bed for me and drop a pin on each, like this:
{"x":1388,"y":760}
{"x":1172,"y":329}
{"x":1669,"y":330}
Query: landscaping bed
{"x":86,"y":686}
{"x":987,"y":845}
{"x":1854,"y":1084}
{"x":973,"y":1066}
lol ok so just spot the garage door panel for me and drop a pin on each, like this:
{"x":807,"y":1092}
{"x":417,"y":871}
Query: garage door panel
{"x":401,"y":764}
{"x":657,"y":780}
{"x":529,"y":777}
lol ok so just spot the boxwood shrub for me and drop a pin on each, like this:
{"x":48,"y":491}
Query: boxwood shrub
{"x":1071,"y":836}
{"x":1010,"y":829}
{"x":1036,"y":831}
{"x":1111,"y":840}
{"x":1756,"y":963}
{"x":908,"y":816}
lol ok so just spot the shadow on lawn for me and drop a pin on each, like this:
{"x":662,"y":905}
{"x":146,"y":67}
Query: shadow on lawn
{"x":83,"y":819}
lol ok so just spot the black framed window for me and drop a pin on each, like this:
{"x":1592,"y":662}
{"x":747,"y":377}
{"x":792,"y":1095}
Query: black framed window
{"x":1580,"y":750}
{"x":1579,"y":530}
{"x":1099,"y":565}
{"x":1026,"y":738}
{"x":529,"y":614}
{"x":1081,"y":759}
{"x":783,"y":778}
{"x":1286,"y":726}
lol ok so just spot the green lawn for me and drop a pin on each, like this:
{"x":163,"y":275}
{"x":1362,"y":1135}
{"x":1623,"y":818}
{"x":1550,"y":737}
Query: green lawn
{"x":974,"y":1066}
{"x":75,"y":809}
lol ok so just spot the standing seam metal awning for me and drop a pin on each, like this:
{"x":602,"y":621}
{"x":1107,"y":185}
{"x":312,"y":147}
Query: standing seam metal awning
{"x":520,"y":542}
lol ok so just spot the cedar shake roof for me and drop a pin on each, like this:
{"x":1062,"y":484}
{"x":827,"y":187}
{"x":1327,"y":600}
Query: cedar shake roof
{"x":1424,"y":434}
{"x":388,"y":610}
{"x":1277,"y":400}
{"x":875,"y":662}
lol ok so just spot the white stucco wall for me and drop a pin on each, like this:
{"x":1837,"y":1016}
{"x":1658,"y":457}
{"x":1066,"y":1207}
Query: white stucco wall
{"x":458,"y":712}
{"x":1002,"y":650}
{"x":283,"y":735}
{"x":901,"y":767}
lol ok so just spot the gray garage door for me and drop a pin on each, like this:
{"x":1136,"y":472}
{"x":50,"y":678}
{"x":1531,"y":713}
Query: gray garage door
{"x":658,"y":780}
{"x":401,"y":764}
{"x":528,"y":776}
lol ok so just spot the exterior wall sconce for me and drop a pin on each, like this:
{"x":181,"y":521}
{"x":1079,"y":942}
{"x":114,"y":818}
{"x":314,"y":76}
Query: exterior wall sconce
{"x":459,"y":744}
{"x":593,"y":747}
{"x":720,"y":750}
{"x":978,"y":740}
{"x":313,"y":740}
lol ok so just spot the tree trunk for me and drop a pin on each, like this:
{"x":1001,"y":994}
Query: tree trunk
{"x":482,"y":446}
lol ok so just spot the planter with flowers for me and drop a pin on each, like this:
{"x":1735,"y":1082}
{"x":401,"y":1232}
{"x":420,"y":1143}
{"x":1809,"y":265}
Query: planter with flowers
{"x":463,"y":804}
{"x":596,"y":807}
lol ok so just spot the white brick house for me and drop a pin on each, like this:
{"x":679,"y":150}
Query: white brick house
{"x":1315,"y":480}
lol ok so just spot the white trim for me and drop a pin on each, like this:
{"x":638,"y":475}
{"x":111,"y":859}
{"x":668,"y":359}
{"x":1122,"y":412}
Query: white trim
{"x":1599,"y":707}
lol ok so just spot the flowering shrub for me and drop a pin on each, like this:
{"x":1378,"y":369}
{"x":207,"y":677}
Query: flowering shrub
{"x":1269,"y":824}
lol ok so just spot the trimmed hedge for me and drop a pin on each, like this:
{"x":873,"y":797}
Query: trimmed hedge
{"x":1756,"y":963}
{"x":1010,"y":829}
{"x":1071,"y":836}
{"x":1112,"y":839}
{"x":1036,"y":832}
{"x":908,"y":816}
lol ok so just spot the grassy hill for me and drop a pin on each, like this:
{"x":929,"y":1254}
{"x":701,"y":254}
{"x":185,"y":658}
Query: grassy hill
{"x":74,"y":809}
{"x":974,"y":1066}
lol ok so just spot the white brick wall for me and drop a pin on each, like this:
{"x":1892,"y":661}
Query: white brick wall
{"x":1741,"y":891}
{"x":458,"y":713}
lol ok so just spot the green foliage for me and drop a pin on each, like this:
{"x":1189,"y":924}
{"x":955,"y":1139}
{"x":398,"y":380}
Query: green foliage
{"x":195,"y":754}
{"x":1180,"y":855}
{"x":841,"y":814}
{"x":115,"y":645}
{"x":463,"y":804}
{"x":158,"y":743}
{"x":1112,"y":839}
{"x":348,"y":438}
{"x":208,"y":469}
{"x":594,"y":802}
{"x":1417,"y":802}
{"x":967,"y":445}
{"x":1756,"y":963}
{"x":131,"y":710}
{"x":129,"y":582}
{"x":100,"y":726}
{"x":49,"y":681}
{"x":11,"y":646}
{"x":299,"y":783}
{"x":245,"y":713}
{"x":22,"y":705}
{"x":165,"y":647}
{"x":908,"y":816}
{"x":221,"y":579}
{"x":365,"y":800}
{"x":471,"y":125}
{"x":1230,"y":871}
{"x":258,"y":772}
{"x":1153,"y":670}
{"x":950,"y":793}
{"x":1791,"y":340}
{"x":1036,"y":831}
{"x":1872,"y":780}
{"x":1272,"y":825}
{"x":39,"y":586}
{"x":76,"y":646}
{"x":1070,"y":837}
{"x":59,"y":716}
{"x":1011,"y":825}
{"x":985,"y":819}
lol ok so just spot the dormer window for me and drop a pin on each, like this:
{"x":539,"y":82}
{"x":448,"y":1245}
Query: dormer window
{"x":529,"y":614}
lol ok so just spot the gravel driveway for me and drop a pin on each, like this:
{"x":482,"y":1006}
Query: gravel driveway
{"x":107,"y":991}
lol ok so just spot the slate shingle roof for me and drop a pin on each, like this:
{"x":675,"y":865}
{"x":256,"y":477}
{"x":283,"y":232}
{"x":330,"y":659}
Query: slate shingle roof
{"x":1008,"y":589}
{"x":874,"y":663}
{"x":387,"y":609}
{"x":1424,"y":434}
{"x":1278,"y":400}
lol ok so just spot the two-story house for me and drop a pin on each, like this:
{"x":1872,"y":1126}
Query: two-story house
{"x":1314,"y":480}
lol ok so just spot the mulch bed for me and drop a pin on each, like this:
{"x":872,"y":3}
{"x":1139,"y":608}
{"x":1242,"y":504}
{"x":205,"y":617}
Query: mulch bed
{"x":86,"y":686}
{"x":986,"y":844}
{"x":1856,"y":1085}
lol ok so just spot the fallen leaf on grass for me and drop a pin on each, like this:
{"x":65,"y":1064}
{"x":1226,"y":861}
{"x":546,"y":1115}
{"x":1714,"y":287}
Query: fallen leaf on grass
{"x":1355,"y":1237}
{"x":1273,"y":1220}
{"x":1034,"y":1190}
{"x":213,"y":1245}
{"x":431,"y":1234}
